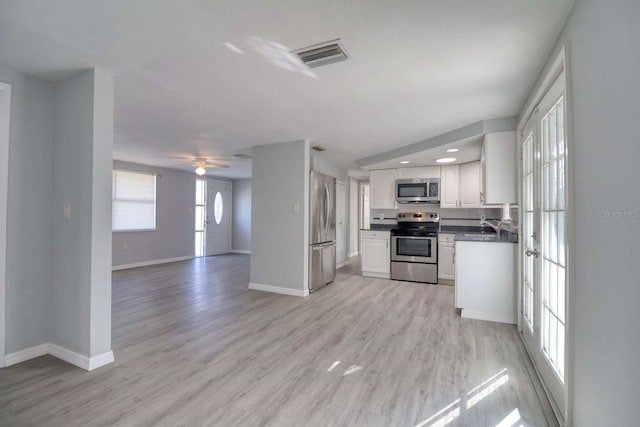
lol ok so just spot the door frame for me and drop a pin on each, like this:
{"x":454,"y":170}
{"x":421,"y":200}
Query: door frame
{"x":230,"y":183}
{"x":561,"y":63}
{"x":5,"y":124}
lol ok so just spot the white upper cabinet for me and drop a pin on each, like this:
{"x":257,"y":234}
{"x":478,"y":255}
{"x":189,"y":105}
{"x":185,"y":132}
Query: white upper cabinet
{"x":420,"y":172}
{"x":499,"y":171}
{"x":449,"y":187}
{"x":470,"y":185}
{"x":382,"y":184}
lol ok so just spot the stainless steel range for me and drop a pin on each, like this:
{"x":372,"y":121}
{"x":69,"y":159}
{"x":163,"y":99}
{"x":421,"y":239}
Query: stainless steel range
{"x":414,"y":247}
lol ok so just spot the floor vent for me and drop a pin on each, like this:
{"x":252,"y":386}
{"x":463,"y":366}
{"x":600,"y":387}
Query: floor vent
{"x":322,"y":54}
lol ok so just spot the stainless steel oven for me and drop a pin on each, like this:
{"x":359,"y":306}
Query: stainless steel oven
{"x":414,"y":247}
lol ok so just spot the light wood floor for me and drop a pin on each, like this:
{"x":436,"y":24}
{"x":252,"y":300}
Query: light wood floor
{"x":194,"y":347}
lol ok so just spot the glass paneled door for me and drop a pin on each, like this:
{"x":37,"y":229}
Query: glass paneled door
{"x":543,"y":249}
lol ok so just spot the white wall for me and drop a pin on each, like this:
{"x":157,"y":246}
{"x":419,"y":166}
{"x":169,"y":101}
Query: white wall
{"x":601,"y":38}
{"x":83,"y":138}
{"x":175,"y":221}
{"x":29,"y":239}
{"x":241,"y":237}
{"x":279,"y":233}
{"x":101,"y":196}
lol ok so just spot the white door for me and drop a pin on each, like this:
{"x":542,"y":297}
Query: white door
{"x":543,"y":249}
{"x":218,"y":223}
{"x":341,"y":226}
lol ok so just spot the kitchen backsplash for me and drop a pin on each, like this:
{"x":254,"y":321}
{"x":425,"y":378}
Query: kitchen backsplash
{"x":391,"y":214}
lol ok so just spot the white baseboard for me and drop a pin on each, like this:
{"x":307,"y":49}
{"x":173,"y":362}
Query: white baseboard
{"x":351,"y":255}
{"x":240,"y":251}
{"x":378,"y":275}
{"x":491,"y":317}
{"x":100,"y":360}
{"x":341,"y":264}
{"x":26,"y":354}
{"x":69,"y":356}
{"x":279,"y":290}
{"x":61,"y":353}
{"x":152,"y":262}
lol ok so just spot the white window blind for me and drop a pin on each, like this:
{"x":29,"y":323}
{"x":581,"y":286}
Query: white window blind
{"x":134,"y":201}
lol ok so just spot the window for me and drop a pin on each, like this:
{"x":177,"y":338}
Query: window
{"x":201,"y":216}
{"x":217,"y":208}
{"x":134,"y":201}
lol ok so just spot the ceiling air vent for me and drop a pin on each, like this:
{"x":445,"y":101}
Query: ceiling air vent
{"x":318,"y":148}
{"x":322,"y":54}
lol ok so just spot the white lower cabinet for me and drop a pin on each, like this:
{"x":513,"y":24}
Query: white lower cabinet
{"x":376,"y":255}
{"x":446,"y":251}
{"x":486,"y":281}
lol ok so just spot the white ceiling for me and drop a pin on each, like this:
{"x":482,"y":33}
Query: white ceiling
{"x":196,"y":77}
{"x":469,"y":151}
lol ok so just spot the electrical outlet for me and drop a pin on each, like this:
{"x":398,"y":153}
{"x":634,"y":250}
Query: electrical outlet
{"x":67,"y":211}
{"x":124,"y":246}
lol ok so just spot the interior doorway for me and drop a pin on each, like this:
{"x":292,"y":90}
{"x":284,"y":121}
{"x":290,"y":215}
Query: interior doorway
{"x":365,"y":211}
{"x":341,"y":224}
{"x":218,"y":218}
{"x":5,"y":115}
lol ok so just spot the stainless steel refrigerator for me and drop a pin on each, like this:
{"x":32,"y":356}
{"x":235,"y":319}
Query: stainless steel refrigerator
{"x":322,"y":228}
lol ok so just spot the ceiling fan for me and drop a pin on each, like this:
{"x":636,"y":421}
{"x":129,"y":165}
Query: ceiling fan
{"x":202,"y":164}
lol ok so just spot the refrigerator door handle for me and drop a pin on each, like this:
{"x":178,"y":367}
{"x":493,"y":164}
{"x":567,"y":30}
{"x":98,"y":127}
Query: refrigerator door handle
{"x":327,"y":208}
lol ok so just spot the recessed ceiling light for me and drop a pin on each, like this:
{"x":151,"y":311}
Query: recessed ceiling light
{"x":404,"y":162}
{"x":452,"y":150}
{"x":446,"y":160}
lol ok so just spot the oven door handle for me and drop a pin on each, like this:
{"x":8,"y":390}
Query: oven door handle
{"x":416,"y":237}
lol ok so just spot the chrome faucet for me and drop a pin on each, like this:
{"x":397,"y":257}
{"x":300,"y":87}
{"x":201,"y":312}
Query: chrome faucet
{"x":497,"y":228}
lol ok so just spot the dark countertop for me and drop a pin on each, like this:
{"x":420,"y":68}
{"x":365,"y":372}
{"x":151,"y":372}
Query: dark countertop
{"x":480,"y":237}
{"x":478,"y":234}
{"x":455,"y":229}
{"x":380,"y":227}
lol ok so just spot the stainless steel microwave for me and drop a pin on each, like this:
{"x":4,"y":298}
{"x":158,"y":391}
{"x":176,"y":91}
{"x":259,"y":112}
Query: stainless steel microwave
{"x":418,"y":190}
